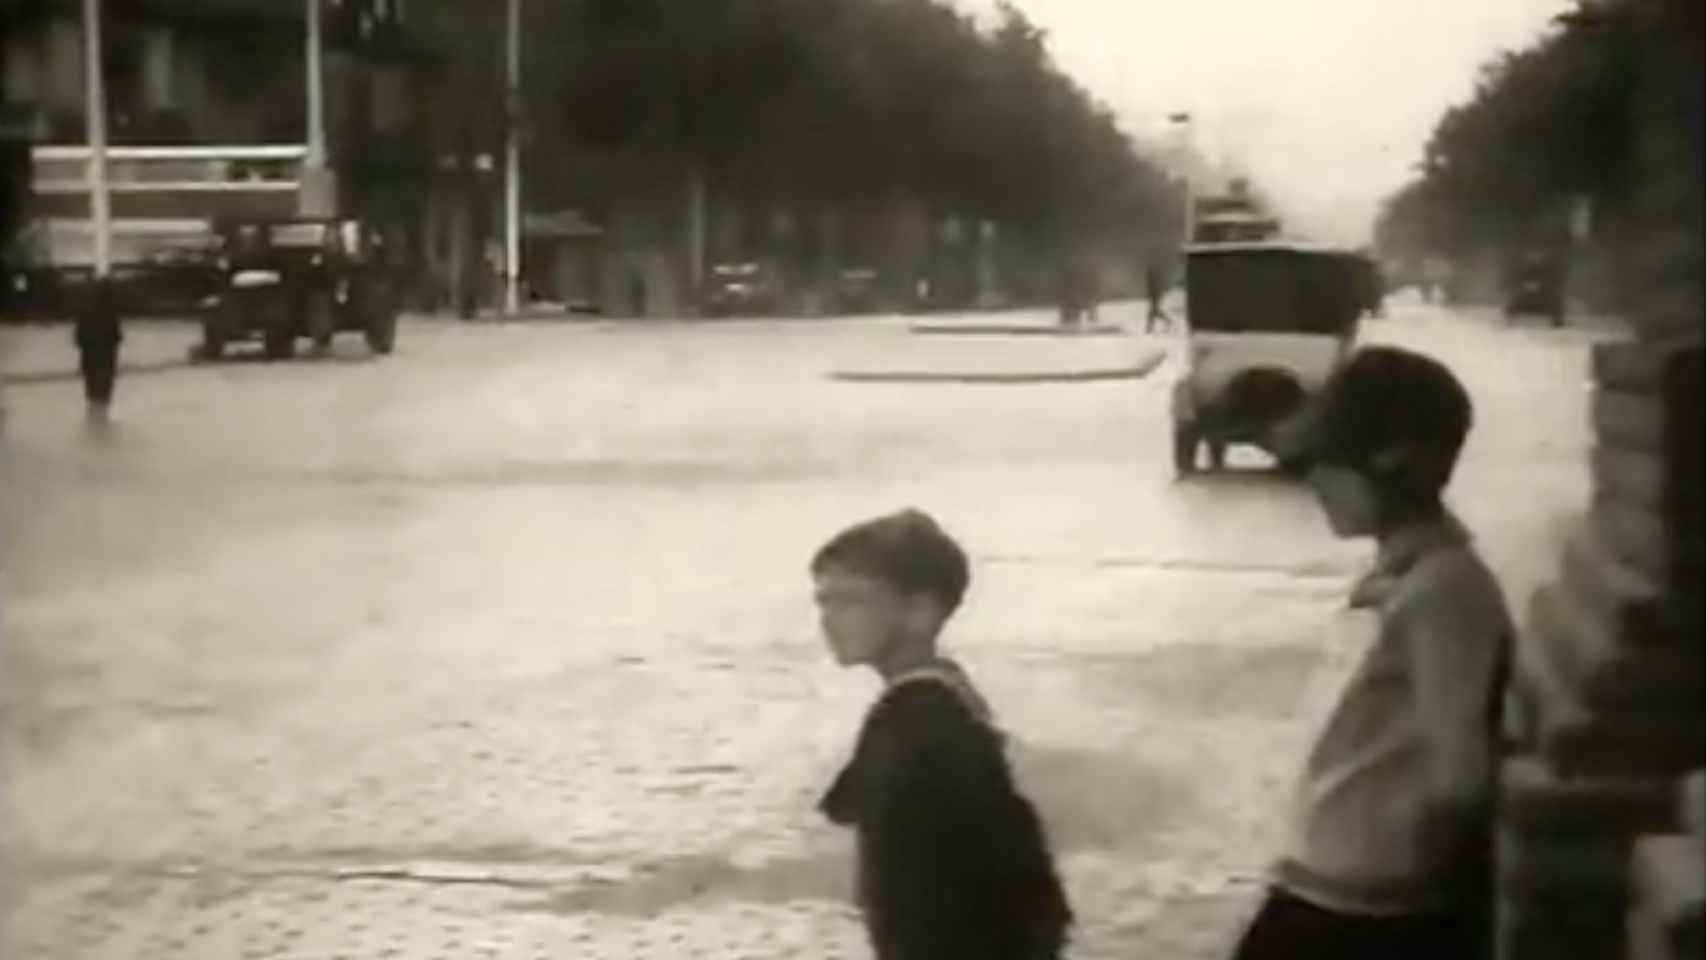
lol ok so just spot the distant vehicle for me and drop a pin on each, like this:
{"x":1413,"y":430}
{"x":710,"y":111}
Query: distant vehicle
{"x":1267,"y":324}
{"x":857,"y":290}
{"x":1236,"y":227}
{"x":1233,"y":218}
{"x":745,"y":288}
{"x":1536,"y":288}
{"x":1080,"y":293}
{"x":1373,"y":287}
{"x":291,"y":278}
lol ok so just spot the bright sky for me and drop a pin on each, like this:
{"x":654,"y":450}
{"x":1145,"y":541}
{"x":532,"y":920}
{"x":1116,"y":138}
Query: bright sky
{"x":1326,"y":103}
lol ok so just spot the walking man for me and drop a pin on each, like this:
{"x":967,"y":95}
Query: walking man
{"x":98,"y":336}
{"x":1157,"y":288}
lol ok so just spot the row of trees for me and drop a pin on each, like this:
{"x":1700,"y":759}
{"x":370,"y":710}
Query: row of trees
{"x":804,"y":104}
{"x":1547,"y":128}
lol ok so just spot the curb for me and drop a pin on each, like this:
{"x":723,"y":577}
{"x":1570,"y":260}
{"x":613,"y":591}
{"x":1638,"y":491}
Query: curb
{"x":1013,"y":329}
{"x":1136,"y":371}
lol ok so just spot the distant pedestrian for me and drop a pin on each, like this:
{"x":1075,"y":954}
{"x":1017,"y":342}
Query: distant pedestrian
{"x":1390,"y":849}
{"x":952,"y":862}
{"x":98,"y":335}
{"x":1155,"y":285}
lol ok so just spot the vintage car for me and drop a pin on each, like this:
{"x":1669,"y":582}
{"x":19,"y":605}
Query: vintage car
{"x":858,"y":290}
{"x":1536,"y":287}
{"x":1267,"y":324}
{"x":287,"y":279}
{"x":735,"y":289}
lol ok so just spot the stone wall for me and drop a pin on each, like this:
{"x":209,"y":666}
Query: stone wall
{"x":1596,"y":857}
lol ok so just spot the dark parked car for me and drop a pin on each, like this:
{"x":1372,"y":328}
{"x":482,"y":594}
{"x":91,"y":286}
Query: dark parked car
{"x":285,"y":279}
{"x":740,"y":289}
{"x":857,"y":290}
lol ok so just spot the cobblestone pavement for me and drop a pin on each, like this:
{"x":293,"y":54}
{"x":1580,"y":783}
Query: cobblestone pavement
{"x":502,"y":647}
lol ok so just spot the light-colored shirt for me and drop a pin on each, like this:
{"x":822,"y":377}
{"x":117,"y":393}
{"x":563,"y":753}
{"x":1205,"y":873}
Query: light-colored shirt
{"x":1413,"y":732}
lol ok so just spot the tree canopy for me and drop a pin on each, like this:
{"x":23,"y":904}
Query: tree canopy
{"x":1546,"y":125}
{"x":813,"y":103}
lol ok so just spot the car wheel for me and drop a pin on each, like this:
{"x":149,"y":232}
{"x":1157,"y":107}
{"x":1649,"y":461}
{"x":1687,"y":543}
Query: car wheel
{"x":1185,"y":441}
{"x":279,"y":340}
{"x":320,"y":319}
{"x":1216,"y":454}
{"x":212,"y":339}
{"x":382,"y":329}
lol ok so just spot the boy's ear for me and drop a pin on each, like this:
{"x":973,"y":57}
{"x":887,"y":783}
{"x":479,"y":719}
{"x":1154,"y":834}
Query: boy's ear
{"x":925,"y":609}
{"x":1392,"y":458}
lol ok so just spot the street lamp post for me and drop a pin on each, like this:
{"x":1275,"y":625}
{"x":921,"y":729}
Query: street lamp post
{"x":98,"y":330}
{"x":317,"y":196}
{"x":512,"y":163}
{"x":1183,"y":119}
{"x":95,"y":112}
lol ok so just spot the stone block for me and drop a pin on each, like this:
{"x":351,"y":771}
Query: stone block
{"x":1692,"y":798}
{"x":1534,"y":798}
{"x":1638,"y":608}
{"x":1561,"y":928}
{"x":1647,"y":937}
{"x":1579,"y":740}
{"x":1643,"y":540}
{"x":1616,"y":658}
{"x":1629,"y":419}
{"x":1667,"y":879}
{"x":1627,"y":365}
{"x":1537,"y":867}
{"x":1646,"y":414}
{"x":1640,"y":477}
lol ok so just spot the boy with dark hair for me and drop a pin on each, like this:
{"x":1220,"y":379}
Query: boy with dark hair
{"x":1389,"y":854}
{"x":952,"y":860}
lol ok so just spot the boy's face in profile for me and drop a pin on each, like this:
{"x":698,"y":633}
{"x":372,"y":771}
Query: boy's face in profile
{"x":863,"y":617}
{"x":1347,"y":498}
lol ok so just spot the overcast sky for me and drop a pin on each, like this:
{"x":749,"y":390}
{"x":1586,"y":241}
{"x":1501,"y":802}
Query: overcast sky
{"x":1326,"y":103}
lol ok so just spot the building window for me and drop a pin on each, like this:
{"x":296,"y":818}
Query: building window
{"x":390,"y":100}
{"x":157,"y":72}
{"x":23,"y":68}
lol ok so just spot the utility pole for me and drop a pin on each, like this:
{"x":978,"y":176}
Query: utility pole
{"x":512,"y":164}
{"x":1187,"y":158}
{"x":95,"y":112}
{"x":98,"y":329}
{"x":318,"y":188}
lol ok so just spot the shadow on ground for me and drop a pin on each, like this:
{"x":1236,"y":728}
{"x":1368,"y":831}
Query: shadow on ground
{"x":1087,"y":800}
{"x":662,"y":884}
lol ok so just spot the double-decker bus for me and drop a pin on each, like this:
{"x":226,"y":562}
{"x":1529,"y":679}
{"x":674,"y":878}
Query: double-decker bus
{"x":165,"y":202}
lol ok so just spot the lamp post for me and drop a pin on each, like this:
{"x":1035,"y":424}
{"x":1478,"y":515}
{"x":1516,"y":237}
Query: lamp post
{"x":317,"y":197}
{"x":95,"y":115}
{"x":512,"y":162}
{"x":98,"y":331}
{"x":1184,"y":120}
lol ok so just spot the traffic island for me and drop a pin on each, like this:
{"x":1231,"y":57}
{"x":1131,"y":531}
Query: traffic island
{"x":1017,"y":329}
{"x":1008,"y":374}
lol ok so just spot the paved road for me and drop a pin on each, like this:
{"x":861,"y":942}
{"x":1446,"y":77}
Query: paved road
{"x":502,"y":646}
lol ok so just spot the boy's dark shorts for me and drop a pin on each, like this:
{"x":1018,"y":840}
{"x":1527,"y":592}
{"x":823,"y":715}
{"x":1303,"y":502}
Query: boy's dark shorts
{"x":1289,"y":928}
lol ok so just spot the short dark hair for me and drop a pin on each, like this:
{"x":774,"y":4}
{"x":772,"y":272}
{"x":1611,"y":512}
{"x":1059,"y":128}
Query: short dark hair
{"x":907,"y":549}
{"x":1386,"y":398}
